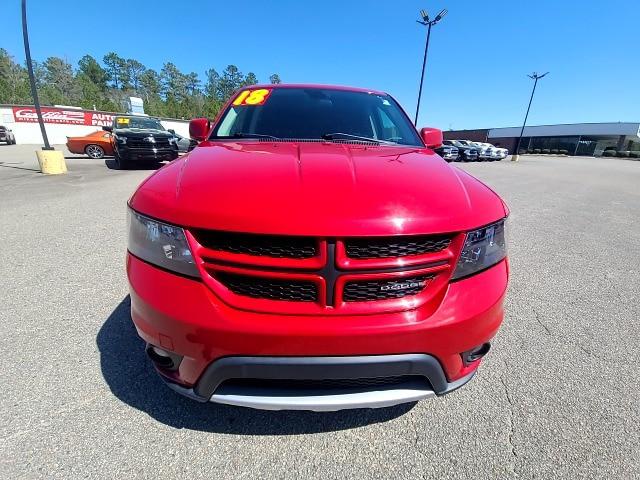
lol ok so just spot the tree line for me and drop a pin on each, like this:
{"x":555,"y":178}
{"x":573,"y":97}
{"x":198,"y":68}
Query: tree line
{"x":107,"y":85}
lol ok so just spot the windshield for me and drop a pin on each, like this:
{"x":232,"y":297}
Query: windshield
{"x":316,"y":114}
{"x":138,"y":122}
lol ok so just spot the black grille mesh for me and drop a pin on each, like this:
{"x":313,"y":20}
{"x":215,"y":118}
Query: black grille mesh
{"x":133,"y":142}
{"x":259,"y":245}
{"x":384,"y":289}
{"x":268,"y":288}
{"x":326,"y":383}
{"x":395,"y":246}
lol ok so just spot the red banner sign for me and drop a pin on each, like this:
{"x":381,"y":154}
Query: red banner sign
{"x":60,"y":115}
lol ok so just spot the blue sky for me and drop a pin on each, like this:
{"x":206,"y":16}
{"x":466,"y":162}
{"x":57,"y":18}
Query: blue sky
{"x":479,"y":56}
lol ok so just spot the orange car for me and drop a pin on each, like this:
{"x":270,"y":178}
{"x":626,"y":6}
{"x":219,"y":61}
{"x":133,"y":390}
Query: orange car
{"x":96,"y":145}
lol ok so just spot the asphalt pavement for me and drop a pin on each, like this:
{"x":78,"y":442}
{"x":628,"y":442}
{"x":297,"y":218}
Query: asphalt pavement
{"x":557,"y":397}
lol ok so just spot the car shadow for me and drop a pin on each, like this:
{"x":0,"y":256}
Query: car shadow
{"x":110,"y":163}
{"x":132,"y":379}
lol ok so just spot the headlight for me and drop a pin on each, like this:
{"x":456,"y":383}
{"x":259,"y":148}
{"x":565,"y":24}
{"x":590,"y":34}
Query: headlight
{"x":160,"y":244}
{"x":122,"y":140}
{"x":173,"y":140}
{"x":482,"y":249}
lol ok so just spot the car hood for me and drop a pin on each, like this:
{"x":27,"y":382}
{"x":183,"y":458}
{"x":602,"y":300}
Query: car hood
{"x":320,"y":189}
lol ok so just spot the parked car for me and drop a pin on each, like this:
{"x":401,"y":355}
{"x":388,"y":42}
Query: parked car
{"x":95,"y":145}
{"x":502,"y":152}
{"x":184,"y":144}
{"x":485,"y":153}
{"x":466,"y":153}
{"x":7,"y":135}
{"x":448,"y":152}
{"x":313,"y":253}
{"x":140,"y":139}
{"x":494,"y":153}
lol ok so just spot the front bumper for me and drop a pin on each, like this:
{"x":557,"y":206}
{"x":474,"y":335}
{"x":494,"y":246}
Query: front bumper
{"x":185,"y":317}
{"x":157,"y":154}
{"x":423,"y":375}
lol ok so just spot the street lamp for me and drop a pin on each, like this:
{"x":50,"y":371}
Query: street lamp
{"x":32,"y":80}
{"x":535,"y":77}
{"x":50,"y":160}
{"x":426,"y":21}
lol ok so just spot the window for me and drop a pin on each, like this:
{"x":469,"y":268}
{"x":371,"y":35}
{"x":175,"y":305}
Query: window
{"x":313,"y":113}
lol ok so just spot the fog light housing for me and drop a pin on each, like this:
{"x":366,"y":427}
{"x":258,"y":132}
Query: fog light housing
{"x":162,"y":358}
{"x":475,"y":353}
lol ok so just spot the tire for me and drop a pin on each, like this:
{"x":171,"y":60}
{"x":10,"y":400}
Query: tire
{"x":94,"y":151}
{"x":121,"y":163}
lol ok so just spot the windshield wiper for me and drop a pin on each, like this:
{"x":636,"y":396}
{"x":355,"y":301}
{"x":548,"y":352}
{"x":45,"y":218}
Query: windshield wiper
{"x":251,"y":135}
{"x":348,"y":136}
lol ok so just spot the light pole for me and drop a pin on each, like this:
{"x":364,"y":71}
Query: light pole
{"x":535,"y":77}
{"x":32,"y":79}
{"x":428,"y":23}
{"x":51,"y":161}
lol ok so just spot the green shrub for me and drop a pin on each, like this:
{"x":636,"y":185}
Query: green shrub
{"x":536,"y":150}
{"x":609,"y":153}
{"x":563,"y":152}
{"x":522,"y":152}
{"x":554,"y":150}
{"x":530,"y":150}
{"x":635,"y":154}
{"x":546,"y":150}
{"x":622,"y":154}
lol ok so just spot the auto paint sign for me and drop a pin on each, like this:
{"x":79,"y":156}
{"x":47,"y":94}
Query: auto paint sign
{"x":60,"y":115}
{"x":98,"y":118}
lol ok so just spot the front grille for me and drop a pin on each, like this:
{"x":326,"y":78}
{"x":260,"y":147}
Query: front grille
{"x":268,"y":288}
{"x":325,"y":383}
{"x":259,"y":245}
{"x":142,"y":143}
{"x":367,"y":248}
{"x":361,"y":291}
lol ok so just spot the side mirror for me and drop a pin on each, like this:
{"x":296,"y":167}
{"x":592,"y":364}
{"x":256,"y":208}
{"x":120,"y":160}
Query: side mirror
{"x":171,"y":131}
{"x":432,"y":137}
{"x":108,"y":129}
{"x":199,"y":128}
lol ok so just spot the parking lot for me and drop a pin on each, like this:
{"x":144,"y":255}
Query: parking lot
{"x":557,"y":397}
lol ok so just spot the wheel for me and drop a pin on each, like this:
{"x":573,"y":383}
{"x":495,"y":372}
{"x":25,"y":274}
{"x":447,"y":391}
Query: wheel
{"x":121,"y":163}
{"x":94,"y":151}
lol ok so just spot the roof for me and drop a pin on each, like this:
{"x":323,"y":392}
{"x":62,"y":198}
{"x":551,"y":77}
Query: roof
{"x":133,"y":115}
{"x":314,"y":85}
{"x":570,"y":129}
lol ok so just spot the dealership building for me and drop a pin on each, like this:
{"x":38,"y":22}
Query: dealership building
{"x":575,"y":138}
{"x":62,"y":122}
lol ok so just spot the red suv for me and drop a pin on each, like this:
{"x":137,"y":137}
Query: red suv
{"x":314,"y":253}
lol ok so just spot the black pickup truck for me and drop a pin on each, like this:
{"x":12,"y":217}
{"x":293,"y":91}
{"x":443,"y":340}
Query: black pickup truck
{"x":138,"y":139}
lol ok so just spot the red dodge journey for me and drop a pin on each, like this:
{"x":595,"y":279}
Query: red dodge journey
{"x":314,"y":253}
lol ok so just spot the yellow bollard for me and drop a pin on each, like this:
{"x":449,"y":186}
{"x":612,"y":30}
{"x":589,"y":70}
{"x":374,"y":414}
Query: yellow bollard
{"x":51,"y":162}
{"x":515,"y":158}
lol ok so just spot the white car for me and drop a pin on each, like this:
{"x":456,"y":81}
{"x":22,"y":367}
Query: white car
{"x":493,"y":152}
{"x":7,"y":136}
{"x":486,"y":151}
